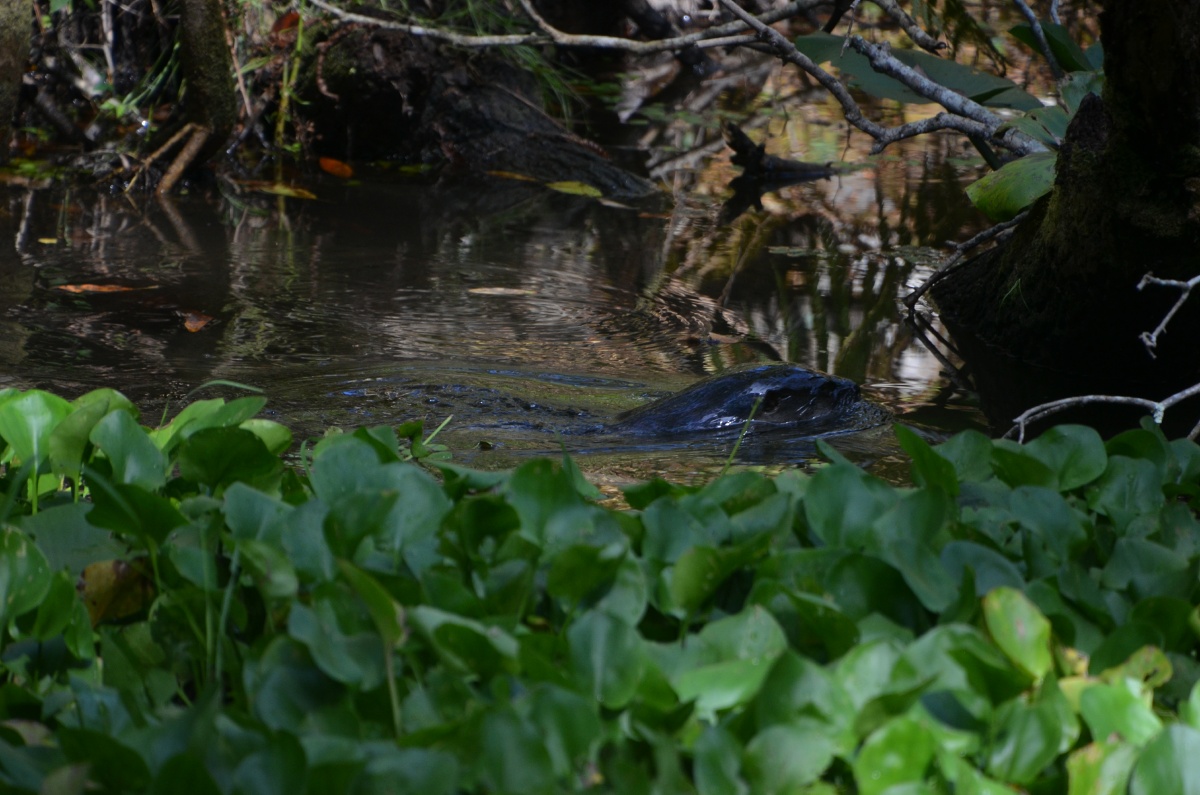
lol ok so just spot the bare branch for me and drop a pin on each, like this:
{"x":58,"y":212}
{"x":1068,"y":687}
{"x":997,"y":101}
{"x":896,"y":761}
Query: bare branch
{"x":551,"y":35}
{"x":910,"y":26}
{"x":1150,"y":338}
{"x":1054,"y":17}
{"x":972,"y":118}
{"x":1039,"y":36}
{"x":955,"y":261}
{"x":1157,"y":408}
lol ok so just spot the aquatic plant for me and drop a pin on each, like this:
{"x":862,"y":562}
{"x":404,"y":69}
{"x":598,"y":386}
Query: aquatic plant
{"x":183,"y":609}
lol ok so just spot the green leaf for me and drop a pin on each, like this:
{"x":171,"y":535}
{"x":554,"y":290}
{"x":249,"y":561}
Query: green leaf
{"x":1101,"y":768}
{"x":1075,"y":453}
{"x":386,"y":612}
{"x":466,"y":645}
{"x":1020,"y":630}
{"x":929,"y":469}
{"x":340,"y":643}
{"x":899,"y":752}
{"x":717,"y":763}
{"x":26,"y":421}
{"x":70,"y":438}
{"x":607,"y":657}
{"x":1169,"y":763}
{"x":1003,"y":194}
{"x":24,"y":576}
{"x":511,"y":758}
{"x":1026,"y":739}
{"x":134,"y":458}
{"x":1113,"y":709}
{"x":218,"y":457}
{"x":787,"y":758}
{"x":985,"y":88}
{"x":131,"y":510}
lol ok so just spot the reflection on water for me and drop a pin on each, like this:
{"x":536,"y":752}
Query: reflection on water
{"x":377,"y":301}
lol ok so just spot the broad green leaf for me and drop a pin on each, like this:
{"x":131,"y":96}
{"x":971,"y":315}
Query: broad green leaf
{"x":787,"y":758}
{"x":24,"y":576}
{"x":1075,"y":453}
{"x":1025,"y":740}
{"x":717,"y":759}
{"x":986,"y":88}
{"x":340,"y":643}
{"x":278,"y":768}
{"x":1016,"y":185}
{"x":1101,"y":768}
{"x":131,"y":511}
{"x":899,"y":752}
{"x":568,"y":724}
{"x":220,"y":456}
{"x":929,"y":469}
{"x":1113,"y":709}
{"x":607,"y":657}
{"x":511,"y":758}
{"x":1020,"y":630}
{"x":26,"y":421}
{"x":386,"y":612}
{"x":467,"y":645}
{"x":134,"y":458}
{"x":70,"y":438}
{"x":1079,"y":84}
{"x":1169,"y":763}
{"x":1128,"y":488}
{"x":971,"y":454}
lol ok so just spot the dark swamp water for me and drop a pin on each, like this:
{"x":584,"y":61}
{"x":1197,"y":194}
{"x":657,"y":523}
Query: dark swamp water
{"x":517,"y":309}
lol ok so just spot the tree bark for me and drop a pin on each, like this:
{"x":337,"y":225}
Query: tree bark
{"x":15,"y":28}
{"x":1061,"y":296}
{"x":208,"y":69}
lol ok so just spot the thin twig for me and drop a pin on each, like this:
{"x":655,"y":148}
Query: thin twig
{"x":1150,"y":338}
{"x":981,"y":122}
{"x":1157,"y":408}
{"x":910,"y":26}
{"x":960,"y":249}
{"x":551,"y":35}
{"x":1054,"y":17}
{"x":1039,"y":36}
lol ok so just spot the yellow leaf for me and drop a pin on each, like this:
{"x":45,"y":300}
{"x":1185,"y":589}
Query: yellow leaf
{"x":575,"y":188}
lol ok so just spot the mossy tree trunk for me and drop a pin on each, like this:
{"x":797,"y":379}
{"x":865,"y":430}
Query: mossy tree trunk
{"x":1062,"y":294}
{"x":15,"y":26}
{"x":208,"y":69}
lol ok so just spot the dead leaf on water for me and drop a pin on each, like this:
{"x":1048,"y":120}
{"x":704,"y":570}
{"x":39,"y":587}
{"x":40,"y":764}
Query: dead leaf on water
{"x":280,"y":189}
{"x":335,"y":167}
{"x":500,"y":291}
{"x":511,"y":175}
{"x":115,"y":589}
{"x":101,"y":288}
{"x":194,"y":321}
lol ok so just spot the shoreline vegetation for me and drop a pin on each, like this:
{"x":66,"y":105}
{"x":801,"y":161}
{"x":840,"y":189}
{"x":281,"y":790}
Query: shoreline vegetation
{"x":186,"y":609}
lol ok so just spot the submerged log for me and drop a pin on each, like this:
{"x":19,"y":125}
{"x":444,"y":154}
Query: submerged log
{"x":384,"y":95}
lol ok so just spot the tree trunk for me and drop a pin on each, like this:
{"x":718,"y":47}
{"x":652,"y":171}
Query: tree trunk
{"x":15,"y":27}
{"x":208,"y":69}
{"x":1061,"y":295}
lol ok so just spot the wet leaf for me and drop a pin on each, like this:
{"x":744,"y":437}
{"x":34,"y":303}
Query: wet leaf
{"x":1169,"y":764}
{"x":1002,"y":194}
{"x":1020,"y":630}
{"x":335,"y":167}
{"x":115,"y":589}
{"x":575,"y":189}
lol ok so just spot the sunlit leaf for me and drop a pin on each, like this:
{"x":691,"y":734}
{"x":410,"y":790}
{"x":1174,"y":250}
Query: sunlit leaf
{"x":1018,"y":184}
{"x":575,"y":188}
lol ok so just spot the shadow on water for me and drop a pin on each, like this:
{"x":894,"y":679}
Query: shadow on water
{"x":520,"y":311}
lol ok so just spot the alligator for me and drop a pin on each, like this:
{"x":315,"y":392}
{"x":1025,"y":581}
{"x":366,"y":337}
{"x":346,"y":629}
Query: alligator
{"x":771,"y":396}
{"x":793,"y":400}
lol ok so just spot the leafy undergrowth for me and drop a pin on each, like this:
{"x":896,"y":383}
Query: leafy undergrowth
{"x":1021,"y":619}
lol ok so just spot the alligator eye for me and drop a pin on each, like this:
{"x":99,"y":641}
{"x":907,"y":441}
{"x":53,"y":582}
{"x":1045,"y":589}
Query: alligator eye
{"x":771,"y":401}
